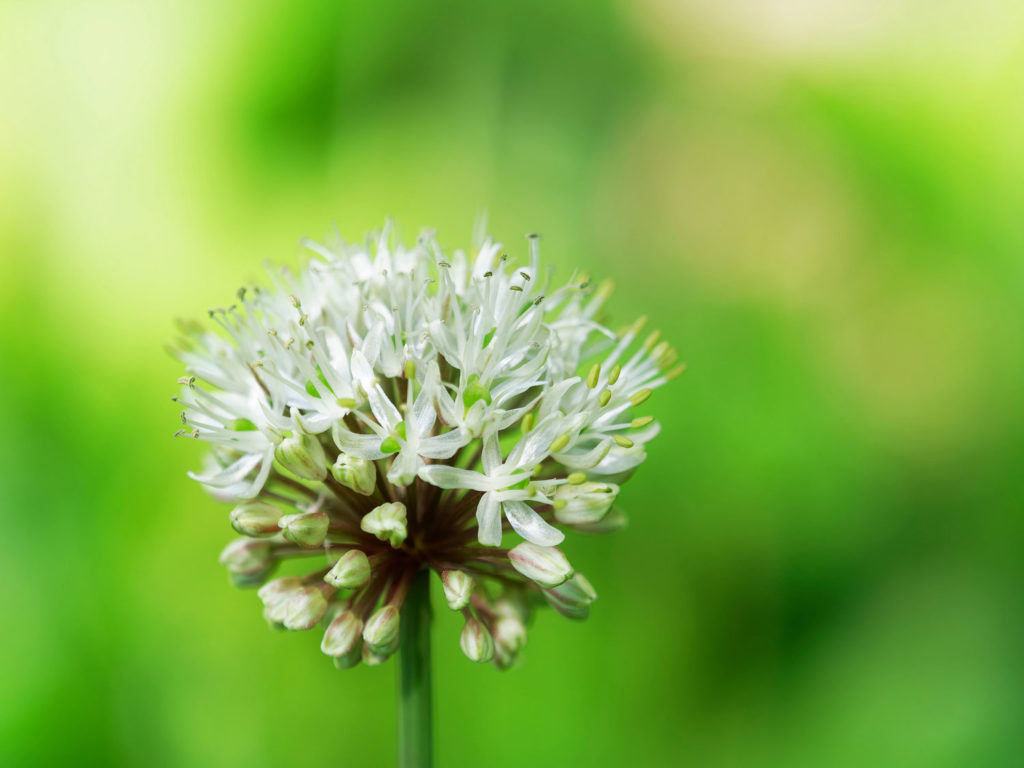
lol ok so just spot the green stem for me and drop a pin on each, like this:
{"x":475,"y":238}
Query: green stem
{"x":415,"y":720}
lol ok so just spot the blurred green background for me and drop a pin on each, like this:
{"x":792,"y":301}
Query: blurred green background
{"x":820,"y":203}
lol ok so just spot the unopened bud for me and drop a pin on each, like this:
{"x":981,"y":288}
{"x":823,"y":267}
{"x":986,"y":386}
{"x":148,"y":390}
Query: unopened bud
{"x":303,"y":456}
{"x":546,"y":566}
{"x":585,"y":502}
{"x":255,"y":518}
{"x":614,"y":521}
{"x":304,"y":609}
{"x":343,"y":635}
{"x":458,"y":588}
{"x":350,"y":659}
{"x":573,"y":598}
{"x":476,"y":642}
{"x":352,"y":570}
{"x":355,"y":473}
{"x":275,"y":594}
{"x":381,"y":630}
{"x":247,"y":558}
{"x":372,"y":657}
{"x":307,"y":529}
{"x":387,"y":522}
{"x":509,"y":634}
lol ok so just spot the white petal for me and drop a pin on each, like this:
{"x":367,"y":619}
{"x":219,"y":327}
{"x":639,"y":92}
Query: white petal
{"x":530,"y":525}
{"x":443,"y":446}
{"x":488,"y":519}
{"x":403,"y":469}
{"x":423,"y":415}
{"x":444,"y":476}
{"x":362,"y":446}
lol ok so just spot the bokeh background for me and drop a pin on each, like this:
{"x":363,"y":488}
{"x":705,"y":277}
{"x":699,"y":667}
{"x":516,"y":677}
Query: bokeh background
{"x":819,"y":202}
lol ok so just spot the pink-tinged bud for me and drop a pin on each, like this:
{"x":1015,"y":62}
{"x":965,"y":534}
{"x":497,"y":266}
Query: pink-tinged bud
{"x":343,"y":636}
{"x":458,"y":588}
{"x":509,"y":634}
{"x":584,"y":502}
{"x":381,"y":630}
{"x":573,"y":598}
{"x":247,"y":560}
{"x":256,"y":518}
{"x":351,"y":571}
{"x":476,"y":642}
{"x":546,"y":566}
{"x":303,"y":456}
{"x":307,"y":529}
{"x":304,"y":609}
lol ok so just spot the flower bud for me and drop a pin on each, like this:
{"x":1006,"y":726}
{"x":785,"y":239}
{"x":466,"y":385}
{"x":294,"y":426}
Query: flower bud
{"x":303,"y":456}
{"x":304,"y":608}
{"x":615,"y":520}
{"x":372,"y":657}
{"x":350,"y":659}
{"x":476,"y":642}
{"x":307,"y":529}
{"x":573,"y":598}
{"x":352,"y":570}
{"x":381,"y":630}
{"x":514,"y":602}
{"x":546,"y":566}
{"x":355,"y":473}
{"x":343,"y":635}
{"x":458,"y":588}
{"x":275,"y":595}
{"x":247,"y":558}
{"x":584,"y":503}
{"x":255,"y":518}
{"x":509,"y":634}
{"x":387,"y":522}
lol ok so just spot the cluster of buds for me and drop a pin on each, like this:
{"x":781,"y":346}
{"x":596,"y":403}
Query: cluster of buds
{"x":392,"y":409}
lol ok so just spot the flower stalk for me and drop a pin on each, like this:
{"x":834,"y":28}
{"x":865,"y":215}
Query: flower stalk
{"x":415,"y":694}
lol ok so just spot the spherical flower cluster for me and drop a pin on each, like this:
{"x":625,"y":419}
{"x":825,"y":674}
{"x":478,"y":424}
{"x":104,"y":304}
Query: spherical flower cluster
{"x":392,"y":409}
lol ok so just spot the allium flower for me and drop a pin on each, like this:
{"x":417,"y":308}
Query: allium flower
{"x":391,"y":410}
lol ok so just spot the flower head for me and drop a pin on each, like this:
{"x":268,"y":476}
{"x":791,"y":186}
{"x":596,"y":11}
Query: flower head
{"x":390,"y":409}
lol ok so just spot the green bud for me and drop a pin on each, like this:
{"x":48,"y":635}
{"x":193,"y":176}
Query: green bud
{"x":247,"y":557}
{"x":381,"y":630}
{"x":303,"y":456}
{"x":458,"y":588}
{"x":585,"y":502}
{"x":372,"y":657}
{"x":304,"y":609}
{"x":573,"y":598}
{"x":352,"y":570}
{"x":387,"y":522}
{"x":546,"y":566}
{"x":476,"y":642}
{"x":350,"y":659}
{"x":343,"y":636}
{"x":307,"y":529}
{"x":255,"y":518}
{"x":355,"y":473}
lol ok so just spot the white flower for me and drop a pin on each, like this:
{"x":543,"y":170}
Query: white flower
{"x":378,"y":402}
